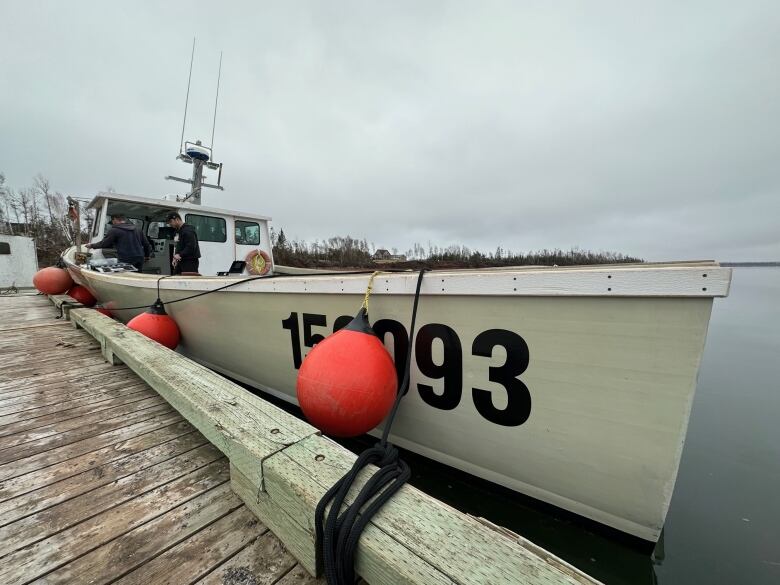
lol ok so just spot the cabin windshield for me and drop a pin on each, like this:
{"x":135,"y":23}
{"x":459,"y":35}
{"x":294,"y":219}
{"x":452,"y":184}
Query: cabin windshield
{"x":150,"y":219}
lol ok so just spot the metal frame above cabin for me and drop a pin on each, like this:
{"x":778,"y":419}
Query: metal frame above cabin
{"x":96,"y":202}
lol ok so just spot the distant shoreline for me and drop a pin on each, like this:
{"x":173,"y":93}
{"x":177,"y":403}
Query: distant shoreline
{"x":749,"y":263}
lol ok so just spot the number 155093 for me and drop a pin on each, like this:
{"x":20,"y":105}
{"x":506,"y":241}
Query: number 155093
{"x":450,"y":370}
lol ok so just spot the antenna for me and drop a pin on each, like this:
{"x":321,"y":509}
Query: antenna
{"x":216,"y":101}
{"x":195,"y":153}
{"x":187,"y":100}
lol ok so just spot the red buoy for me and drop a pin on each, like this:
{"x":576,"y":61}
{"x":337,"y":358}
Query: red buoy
{"x":104,"y":311}
{"x":52,"y":280}
{"x":82,"y":295}
{"x":156,"y":324}
{"x":347,"y":384}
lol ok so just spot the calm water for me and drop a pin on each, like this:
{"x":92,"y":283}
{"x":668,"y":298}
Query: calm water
{"x":724,"y":522}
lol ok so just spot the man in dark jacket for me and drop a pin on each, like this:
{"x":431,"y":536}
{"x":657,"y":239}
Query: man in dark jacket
{"x":187,"y":252}
{"x":132,"y":246}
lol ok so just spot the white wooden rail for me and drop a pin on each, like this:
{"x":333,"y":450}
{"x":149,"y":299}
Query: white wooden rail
{"x":281,"y":467}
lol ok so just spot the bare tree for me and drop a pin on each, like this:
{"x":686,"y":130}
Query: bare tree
{"x":5,"y":208}
{"x":42,"y":186}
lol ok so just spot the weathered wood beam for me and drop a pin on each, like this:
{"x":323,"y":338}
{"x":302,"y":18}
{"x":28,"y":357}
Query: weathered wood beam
{"x":437,"y":543}
{"x":65,"y":303}
{"x":243,"y":426}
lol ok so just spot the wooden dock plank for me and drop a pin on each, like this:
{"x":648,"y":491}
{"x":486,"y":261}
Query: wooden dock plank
{"x":53,"y":456}
{"x":15,"y":367}
{"x":21,"y":340}
{"x":65,"y":394}
{"x":299,"y":576}
{"x":38,"y":526}
{"x":30,"y":448}
{"x":46,"y":555}
{"x":96,"y":492}
{"x":201,"y":553}
{"x":263,"y":562}
{"x":49,"y":495}
{"x":72,"y":378}
{"x":121,"y":448}
{"x":80,"y":426}
{"x":134,"y":548}
{"x":39,"y":417}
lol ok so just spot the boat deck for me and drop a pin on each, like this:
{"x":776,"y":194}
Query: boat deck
{"x":102,"y":481}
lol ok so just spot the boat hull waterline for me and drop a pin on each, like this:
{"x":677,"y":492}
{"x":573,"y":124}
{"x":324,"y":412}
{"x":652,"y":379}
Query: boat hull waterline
{"x":573,"y":397}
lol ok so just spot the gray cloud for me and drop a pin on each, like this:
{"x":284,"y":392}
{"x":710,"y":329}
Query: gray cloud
{"x":646,"y":128}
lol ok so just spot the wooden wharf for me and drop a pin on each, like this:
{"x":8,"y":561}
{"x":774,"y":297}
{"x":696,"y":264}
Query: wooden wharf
{"x":124,"y":462}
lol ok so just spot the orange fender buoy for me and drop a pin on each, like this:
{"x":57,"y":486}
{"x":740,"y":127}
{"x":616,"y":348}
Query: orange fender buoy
{"x":52,"y":280}
{"x":82,"y":295}
{"x":258,"y":262}
{"x":156,"y":324}
{"x":347,"y":384}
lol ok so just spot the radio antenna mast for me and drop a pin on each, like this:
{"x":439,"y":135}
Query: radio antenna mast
{"x":216,"y":101}
{"x":196,"y":153}
{"x":187,"y":99}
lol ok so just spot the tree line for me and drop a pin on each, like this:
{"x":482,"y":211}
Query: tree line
{"x":39,"y":212}
{"x":349,"y":252}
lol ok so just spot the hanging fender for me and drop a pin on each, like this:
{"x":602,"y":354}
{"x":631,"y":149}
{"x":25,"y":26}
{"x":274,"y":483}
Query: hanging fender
{"x":258,"y":262}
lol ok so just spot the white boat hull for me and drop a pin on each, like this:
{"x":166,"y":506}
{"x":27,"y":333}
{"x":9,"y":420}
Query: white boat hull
{"x":579,"y":399}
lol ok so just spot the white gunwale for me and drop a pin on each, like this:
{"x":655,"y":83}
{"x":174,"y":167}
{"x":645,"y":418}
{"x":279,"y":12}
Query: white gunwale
{"x":700,"y":281}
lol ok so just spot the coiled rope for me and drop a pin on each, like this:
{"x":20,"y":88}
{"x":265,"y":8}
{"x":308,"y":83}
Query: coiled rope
{"x":338,"y":533}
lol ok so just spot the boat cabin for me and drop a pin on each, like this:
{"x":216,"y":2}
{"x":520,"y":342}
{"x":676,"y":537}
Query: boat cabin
{"x":224,"y":236}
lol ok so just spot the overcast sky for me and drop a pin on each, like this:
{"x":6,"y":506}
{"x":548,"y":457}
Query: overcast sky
{"x":649,"y":128}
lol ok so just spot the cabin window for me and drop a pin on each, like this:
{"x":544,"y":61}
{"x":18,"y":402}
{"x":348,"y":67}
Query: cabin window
{"x":247,"y":233}
{"x":5,"y":248}
{"x":160,"y":230}
{"x":209,"y":229}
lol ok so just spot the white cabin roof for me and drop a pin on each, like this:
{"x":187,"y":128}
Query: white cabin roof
{"x":97,"y":201}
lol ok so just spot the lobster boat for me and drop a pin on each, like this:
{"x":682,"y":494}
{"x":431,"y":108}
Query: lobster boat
{"x":572,"y":385}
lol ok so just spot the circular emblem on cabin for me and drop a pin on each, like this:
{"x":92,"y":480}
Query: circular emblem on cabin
{"x":258,"y":262}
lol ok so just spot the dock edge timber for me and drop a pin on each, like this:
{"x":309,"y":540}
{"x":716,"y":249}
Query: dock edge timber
{"x":281,"y":466}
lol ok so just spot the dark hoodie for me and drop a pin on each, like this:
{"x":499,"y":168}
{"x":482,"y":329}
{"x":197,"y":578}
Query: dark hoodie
{"x":187,"y":247}
{"x":128,"y":240}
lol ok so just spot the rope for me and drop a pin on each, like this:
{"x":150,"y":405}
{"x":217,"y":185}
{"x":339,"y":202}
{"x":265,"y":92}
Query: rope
{"x":369,"y":288}
{"x":339,"y":533}
{"x":243,"y":280}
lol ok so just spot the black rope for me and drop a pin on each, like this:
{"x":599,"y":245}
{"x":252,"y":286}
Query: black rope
{"x":236,"y":283}
{"x":200,"y":294}
{"x":63,"y":305}
{"x":339,"y":533}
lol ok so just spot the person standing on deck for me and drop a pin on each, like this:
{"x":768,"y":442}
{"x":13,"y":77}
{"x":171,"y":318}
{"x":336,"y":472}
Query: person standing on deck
{"x":132,"y":246}
{"x":187,"y":252}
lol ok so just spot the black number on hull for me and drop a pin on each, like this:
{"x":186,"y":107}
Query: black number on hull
{"x":310,"y":319}
{"x":291,"y":324}
{"x":451,"y":368}
{"x":518,"y":406}
{"x":400,"y":343}
{"x":341,"y":322}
